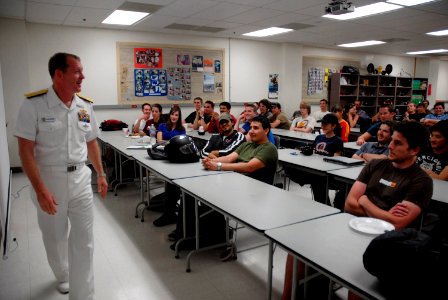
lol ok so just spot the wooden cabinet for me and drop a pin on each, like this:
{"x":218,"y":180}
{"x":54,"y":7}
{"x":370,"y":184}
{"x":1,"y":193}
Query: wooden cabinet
{"x":374,"y":90}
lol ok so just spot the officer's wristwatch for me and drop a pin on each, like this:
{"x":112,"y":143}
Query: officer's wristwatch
{"x":101,"y":175}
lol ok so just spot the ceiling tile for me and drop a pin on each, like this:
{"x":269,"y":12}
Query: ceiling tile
{"x":105,"y":4}
{"x":46,"y":13}
{"x":87,"y":16}
{"x":12,"y":9}
{"x":222,"y":11}
{"x":186,"y":8}
{"x":254,"y":15}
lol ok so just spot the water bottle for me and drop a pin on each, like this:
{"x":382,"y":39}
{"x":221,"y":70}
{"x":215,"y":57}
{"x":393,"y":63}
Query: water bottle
{"x":152,"y":134}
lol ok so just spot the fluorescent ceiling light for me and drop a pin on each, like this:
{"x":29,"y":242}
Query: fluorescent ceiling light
{"x":268,"y":32}
{"x":409,"y":2}
{"x":124,"y":17}
{"x":361,"y":44}
{"x":367,"y":10}
{"x":439,"y":33}
{"x":428,"y":51}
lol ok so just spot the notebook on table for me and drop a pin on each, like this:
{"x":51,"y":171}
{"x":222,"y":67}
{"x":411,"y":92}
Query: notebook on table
{"x":342,"y":160}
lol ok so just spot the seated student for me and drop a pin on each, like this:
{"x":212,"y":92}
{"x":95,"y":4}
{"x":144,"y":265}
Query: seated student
{"x":156,"y":119}
{"x":173,"y":125}
{"x":352,"y":116}
{"x":379,"y":149}
{"x":319,"y":114}
{"x":192,"y":116}
{"x":393,"y":189}
{"x":204,"y":117}
{"x":364,"y":119}
{"x":411,"y":112}
{"x":249,"y":114}
{"x":256,"y":158}
{"x":386,"y":113}
{"x":140,"y":122}
{"x":421,"y":112}
{"x":224,"y":143}
{"x":224,"y":108}
{"x":264,"y":106}
{"x":368,"y":152}
{"x":279,"y":119}
{"x":434,"y":160}
{"x":304,"y":123}
{"x":328,"y":144}
{"x":438,"y":115}
{"x":345,"y":127}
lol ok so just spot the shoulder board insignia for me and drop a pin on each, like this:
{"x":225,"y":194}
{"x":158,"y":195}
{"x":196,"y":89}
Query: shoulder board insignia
{"x":35,"y":94}
{"x":84,"y":98}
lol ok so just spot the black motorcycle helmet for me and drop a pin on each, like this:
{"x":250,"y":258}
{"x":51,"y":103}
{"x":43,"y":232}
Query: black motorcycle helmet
{"x":182,"y":149}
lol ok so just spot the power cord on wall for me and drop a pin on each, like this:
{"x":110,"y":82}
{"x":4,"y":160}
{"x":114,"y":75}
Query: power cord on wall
{"x":15,"y":244}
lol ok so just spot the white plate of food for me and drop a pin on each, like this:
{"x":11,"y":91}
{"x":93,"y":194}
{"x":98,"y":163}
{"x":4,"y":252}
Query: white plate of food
{"x":370,"y":225}
{"x":134,"y":136}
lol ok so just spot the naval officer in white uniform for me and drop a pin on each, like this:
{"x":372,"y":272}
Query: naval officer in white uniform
{"x":57,"y":131}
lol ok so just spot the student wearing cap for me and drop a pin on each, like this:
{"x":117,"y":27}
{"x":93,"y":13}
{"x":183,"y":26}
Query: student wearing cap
{"x":225,"y":142}
{"x":279,"y":119}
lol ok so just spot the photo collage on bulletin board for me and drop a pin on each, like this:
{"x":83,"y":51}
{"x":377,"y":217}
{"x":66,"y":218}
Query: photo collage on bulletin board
{"x":179,"y":83}
{"x":166,"y":73}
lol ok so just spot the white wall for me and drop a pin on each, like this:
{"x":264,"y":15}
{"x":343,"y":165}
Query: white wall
{"x":4,"y":168}
{"x":25,"y":49}
{"x":441,"y":93}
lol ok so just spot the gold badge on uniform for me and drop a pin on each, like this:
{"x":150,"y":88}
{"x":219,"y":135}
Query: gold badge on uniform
{"x":83,"y":116}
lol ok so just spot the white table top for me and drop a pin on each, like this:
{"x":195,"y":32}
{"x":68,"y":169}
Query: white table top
{"x":349,"y":174}
{"x":314,"y":162}
{"x":351,"y":146}
{"x":195,"y":134}
{"x":117,"y":140}
{"x":170,"y":170}
{"x":332,"y":246}
{"x":297,"y":135}
{"x":257,"y":204}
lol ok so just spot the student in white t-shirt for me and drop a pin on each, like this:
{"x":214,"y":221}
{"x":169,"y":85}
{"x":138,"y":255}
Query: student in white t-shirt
{"x":304,"y":123}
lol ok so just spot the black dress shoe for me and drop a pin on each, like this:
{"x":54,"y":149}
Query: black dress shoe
{"x":165,"y":219}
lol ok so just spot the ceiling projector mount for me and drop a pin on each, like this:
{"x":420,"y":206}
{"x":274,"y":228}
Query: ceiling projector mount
{"x":339,"y":7}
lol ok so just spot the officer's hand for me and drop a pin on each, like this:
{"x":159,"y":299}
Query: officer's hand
{"x":102,"y":186}
{"x":47,"y":202}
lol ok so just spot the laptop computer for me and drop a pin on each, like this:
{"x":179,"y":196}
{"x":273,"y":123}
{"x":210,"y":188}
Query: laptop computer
{"x":342,"y":160}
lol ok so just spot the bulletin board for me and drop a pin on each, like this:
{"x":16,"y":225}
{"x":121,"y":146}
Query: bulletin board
{"x":316,"y":73}
{"x":168,"y":74}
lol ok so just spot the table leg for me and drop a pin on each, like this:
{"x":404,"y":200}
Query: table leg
{"x":270,"y":266}
{"x":294,"y":278}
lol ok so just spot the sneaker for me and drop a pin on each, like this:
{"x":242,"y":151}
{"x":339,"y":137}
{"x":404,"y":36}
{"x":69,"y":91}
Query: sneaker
{"x":165,"y":219}
{"x":63,"y":287}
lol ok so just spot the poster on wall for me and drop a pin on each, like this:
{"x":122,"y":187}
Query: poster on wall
{"x":147,"y":58}
{"x":315,"y":81}
{"x":208,"y":65}
{"x":217,"y":66}
{"x":179,"y":83}
{"x":273,"y":86}
{"x":197,"y":64}
{"x":209,"y":83}
{"x":183,"y":59}
{"x":150,"y":82}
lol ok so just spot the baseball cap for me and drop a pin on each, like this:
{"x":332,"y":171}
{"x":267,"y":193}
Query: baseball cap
{"x":330,"y":119}
{"x":225,"y":117}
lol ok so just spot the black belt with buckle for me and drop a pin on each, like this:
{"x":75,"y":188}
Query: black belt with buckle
{"x":72,"y":168}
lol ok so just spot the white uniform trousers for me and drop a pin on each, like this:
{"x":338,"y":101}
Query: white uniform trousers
{"x":70,"y":255}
